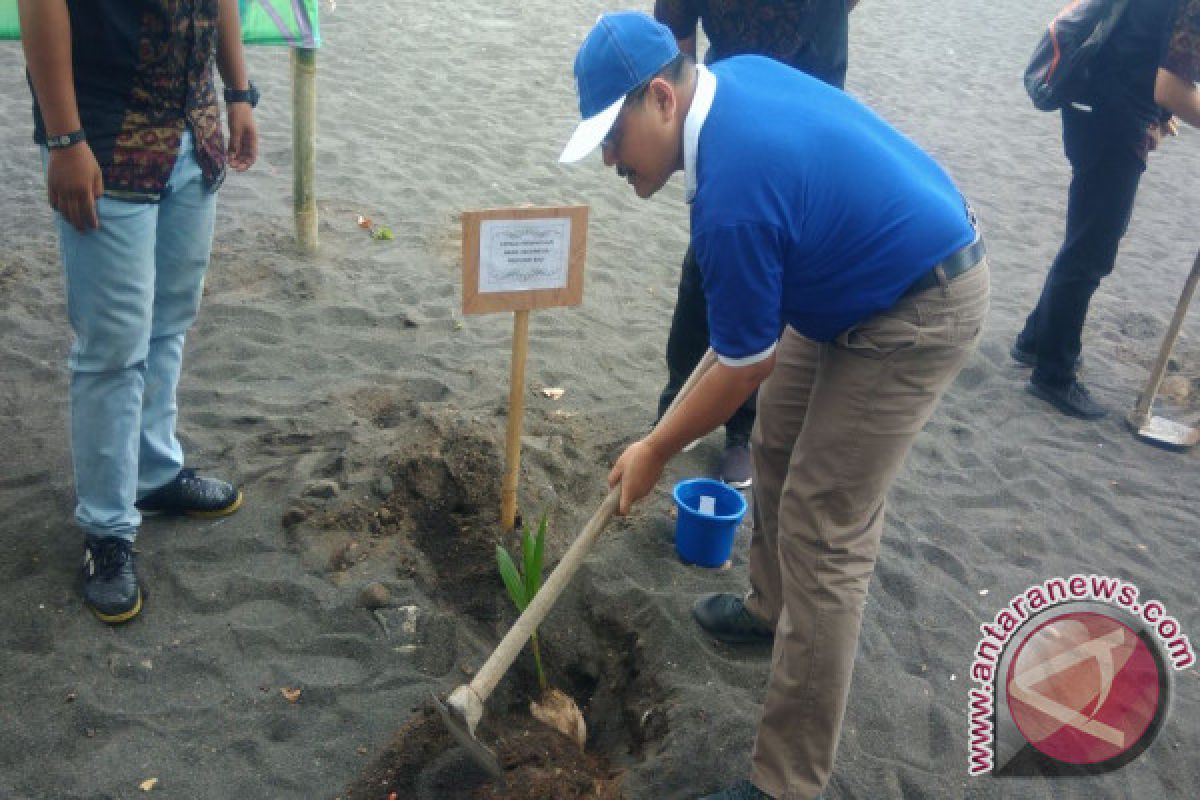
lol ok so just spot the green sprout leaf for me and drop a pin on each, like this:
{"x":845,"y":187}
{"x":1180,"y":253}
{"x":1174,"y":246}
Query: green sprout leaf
{"x":382,"y":233}
{"x":533,"y":574}
{"x":522,"y":587}
{"x":511,"y":578}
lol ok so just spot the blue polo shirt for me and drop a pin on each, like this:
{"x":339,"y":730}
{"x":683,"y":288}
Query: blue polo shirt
{"x":807,"y":208}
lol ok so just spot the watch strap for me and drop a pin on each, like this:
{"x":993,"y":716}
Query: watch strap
{"x":65,"y":140}
{"x":248,"y":95}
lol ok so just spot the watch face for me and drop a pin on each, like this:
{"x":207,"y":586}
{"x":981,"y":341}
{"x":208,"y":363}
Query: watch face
{"x":64,"y":140}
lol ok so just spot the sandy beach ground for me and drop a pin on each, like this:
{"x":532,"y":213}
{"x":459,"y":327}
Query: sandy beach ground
{"x":354,"y":402}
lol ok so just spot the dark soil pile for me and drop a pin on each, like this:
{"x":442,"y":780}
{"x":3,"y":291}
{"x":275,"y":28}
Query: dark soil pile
{"x":540,"y":764}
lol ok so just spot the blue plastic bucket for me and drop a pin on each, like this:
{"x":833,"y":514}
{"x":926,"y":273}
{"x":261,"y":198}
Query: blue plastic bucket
{"x":706,"y":539}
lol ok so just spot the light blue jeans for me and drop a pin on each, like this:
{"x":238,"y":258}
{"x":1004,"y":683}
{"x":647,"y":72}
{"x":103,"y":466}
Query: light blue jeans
{"x":133,"y":289}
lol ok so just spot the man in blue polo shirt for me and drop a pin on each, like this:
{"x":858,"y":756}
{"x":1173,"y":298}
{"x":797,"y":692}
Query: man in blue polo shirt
{"x":842,"y":271}
{"x":809,"y":35}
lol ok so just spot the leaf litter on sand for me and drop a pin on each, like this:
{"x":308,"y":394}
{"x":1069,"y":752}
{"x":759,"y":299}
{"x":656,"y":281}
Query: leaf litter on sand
{"x":378,"y":232}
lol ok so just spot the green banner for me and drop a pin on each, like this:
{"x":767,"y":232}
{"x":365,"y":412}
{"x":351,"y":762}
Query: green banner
{"x":290,"y":22}
{"x":10,"y":27}
{"x":278,"y":22}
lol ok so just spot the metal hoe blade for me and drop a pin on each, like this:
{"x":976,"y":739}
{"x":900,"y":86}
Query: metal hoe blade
{"x":1168,"y":433}
{"x":480,"y":753}
{"x":1161,"y":431}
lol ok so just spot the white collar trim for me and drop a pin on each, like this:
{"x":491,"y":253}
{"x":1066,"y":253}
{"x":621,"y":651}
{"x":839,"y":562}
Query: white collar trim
{"x":702,"y":99}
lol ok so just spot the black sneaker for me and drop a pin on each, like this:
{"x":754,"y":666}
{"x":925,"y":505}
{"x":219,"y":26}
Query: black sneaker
{"x":110,"y":583}
{"x":724,"y":616}
{"x":1027,"y":356}
{"x":192,"y":495}
{"x":742,"y":790}
{"x":1072,"y":399}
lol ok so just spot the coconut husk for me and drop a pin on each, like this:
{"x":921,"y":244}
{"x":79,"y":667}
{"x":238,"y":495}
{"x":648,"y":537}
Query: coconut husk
{"x":559,"y":711}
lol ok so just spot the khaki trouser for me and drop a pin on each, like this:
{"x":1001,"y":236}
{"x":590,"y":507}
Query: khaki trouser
{"x":835,"y":423}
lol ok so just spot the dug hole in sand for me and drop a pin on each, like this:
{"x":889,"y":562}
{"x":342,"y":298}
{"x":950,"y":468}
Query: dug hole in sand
{"x":431,"y":522}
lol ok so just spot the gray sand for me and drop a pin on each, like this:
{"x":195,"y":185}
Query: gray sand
{"x":303,"y":369}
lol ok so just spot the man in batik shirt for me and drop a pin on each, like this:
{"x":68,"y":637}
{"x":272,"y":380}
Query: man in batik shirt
{"x":1175,"y":85}
{"x":126,"y":113}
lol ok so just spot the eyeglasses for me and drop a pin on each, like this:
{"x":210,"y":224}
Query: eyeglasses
{"x":612,"y":141}
{"x":636,"y":96}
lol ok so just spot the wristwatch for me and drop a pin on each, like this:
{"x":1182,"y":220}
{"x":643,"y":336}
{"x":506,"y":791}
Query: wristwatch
{"x":249,"y":95}
{"x":65,"y":140}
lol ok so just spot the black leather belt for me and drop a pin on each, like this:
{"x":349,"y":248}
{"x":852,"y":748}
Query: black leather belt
{"x":949,"y":268}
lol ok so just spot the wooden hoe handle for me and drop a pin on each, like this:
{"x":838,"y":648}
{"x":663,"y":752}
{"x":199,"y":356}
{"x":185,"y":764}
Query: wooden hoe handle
{"x":468,"y":700}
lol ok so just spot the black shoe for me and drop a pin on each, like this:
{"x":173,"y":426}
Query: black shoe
{"x":725,"y":617}
{"x":742,"y":790}
{"x":110,"y":583}
{"x":735,"y":463}
{"x":1072,"y":399}
{"x":192,"y":495}
{"x":1027,"y":356}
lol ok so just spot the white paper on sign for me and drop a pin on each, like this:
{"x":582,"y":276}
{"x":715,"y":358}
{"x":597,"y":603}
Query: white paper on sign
{"x":518,"y":255}
{"x":708,"y":506}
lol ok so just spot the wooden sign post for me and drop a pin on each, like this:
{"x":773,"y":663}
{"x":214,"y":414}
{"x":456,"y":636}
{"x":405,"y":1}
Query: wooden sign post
{"x":519,"y":259}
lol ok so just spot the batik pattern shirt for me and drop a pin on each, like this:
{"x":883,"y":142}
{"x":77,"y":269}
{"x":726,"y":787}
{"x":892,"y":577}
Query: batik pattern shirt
{"x":810,"y":35}
{"x":1183,"y":51}
{"x":143,"y":70}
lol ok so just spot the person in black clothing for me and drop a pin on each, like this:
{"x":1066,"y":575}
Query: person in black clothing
{"x":810,"y":35}
{"x":1148,"y":63}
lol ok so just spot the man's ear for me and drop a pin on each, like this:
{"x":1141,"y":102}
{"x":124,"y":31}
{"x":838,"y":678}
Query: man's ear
{"x":663,"y":97}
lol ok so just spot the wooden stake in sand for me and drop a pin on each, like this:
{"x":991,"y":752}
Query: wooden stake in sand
{"x":520,"y":259}
{"x":304,"y":145}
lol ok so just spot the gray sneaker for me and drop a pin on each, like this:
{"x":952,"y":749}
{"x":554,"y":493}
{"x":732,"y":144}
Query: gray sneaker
{"x":742,"y":790}
{"x":1026,"y":356}
{"x":735,"y":464}
{"x":1072,"y":399}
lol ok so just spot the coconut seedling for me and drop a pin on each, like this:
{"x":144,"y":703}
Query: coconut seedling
{"x":556,"y":708}
{"x":522,"y":585}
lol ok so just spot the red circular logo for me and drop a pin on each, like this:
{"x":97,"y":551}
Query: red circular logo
{"x":1083,"y":688}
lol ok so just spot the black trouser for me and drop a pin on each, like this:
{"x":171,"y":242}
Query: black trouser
{"x":687,"y":343}
{"x":1104,"y":182}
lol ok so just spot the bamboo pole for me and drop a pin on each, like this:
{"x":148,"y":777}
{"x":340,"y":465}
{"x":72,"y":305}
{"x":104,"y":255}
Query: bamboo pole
{"x":516,"y":414}
{"x":304,"y":145}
